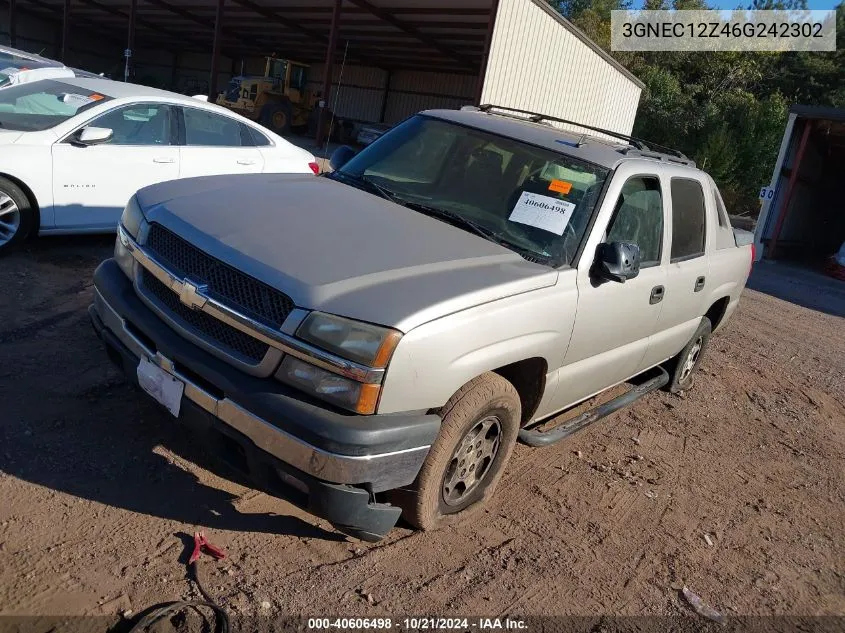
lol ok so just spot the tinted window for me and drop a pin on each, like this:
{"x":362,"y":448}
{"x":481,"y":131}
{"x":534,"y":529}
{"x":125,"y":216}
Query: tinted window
{"x":638,"y":218}
{"x":257,"y":137}
{"x":687,"y":219}
{"x":720,"y":209}
{"x":209,"y":129}
{"x":142,"y":124}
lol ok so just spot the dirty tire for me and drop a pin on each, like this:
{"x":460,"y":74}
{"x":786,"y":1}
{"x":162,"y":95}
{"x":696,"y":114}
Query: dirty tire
{"x":682,"y":368}
{"x":487,"y":397}
{"x":17,"y":217}
{"x":277,"y":117}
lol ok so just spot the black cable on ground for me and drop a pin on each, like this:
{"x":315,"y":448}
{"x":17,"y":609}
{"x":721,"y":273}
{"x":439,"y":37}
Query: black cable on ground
{"x":169,"y":609}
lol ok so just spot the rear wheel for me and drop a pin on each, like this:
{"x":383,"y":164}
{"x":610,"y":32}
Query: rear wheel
{"x":16,"y":215}
{"x":683,"y":366}
{"x":463,"y":467}
{"x":277,"y":117}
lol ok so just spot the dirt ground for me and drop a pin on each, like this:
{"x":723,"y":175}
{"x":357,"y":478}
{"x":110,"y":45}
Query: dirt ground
{"x":736,"y":489}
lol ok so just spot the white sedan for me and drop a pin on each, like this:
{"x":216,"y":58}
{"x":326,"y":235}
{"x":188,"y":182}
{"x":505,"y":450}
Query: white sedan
{"x":73,"y":151}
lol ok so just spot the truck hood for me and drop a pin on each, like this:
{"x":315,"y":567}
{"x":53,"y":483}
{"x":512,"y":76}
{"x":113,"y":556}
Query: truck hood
{"x":338,"y":249}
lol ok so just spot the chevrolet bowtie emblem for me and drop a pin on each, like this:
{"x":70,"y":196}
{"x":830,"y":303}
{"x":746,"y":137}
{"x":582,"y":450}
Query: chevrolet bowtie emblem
{"x":191,"y":295}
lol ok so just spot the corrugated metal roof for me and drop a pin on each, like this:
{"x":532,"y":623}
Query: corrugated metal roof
{"x":425,"y":35}
{"x":438,"y":35}
{"x":818,"y":112}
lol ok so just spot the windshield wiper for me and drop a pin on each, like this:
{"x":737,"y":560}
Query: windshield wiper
{"x":449,"y":216}
{"x":479,"y":229}
{"x":455,"y":218}
{"x":385,"y":193}
{"x":368,"y":185}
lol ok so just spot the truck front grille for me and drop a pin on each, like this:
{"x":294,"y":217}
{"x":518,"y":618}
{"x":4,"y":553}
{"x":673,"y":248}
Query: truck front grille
{"x":250,"y":296}
{"x":225,"y":337}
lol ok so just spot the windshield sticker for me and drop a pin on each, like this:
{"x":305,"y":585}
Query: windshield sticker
{"x":77,"y":100}
{"x":542,"y":212}
{"x":560,"y":186}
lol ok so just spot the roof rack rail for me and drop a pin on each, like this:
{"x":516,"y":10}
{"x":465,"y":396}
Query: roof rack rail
{"x":669,"y":158}
{"x":636,"y":143}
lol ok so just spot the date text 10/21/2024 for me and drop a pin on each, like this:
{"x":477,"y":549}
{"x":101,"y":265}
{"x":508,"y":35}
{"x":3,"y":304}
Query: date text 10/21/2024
{"x":419,"y":624}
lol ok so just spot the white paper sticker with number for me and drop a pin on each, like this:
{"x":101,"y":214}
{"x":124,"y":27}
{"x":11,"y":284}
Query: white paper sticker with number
{"x":163,"y":387}
{"x":543,"y":212}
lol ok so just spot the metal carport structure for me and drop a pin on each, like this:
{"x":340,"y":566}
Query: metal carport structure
{"x":398,"y":56}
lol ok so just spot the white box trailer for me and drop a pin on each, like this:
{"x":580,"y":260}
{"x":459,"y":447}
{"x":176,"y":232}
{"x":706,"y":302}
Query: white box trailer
{"x":535,"y":60}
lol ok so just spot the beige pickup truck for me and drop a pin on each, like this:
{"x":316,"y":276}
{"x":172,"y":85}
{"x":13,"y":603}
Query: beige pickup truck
{"x":373,"y":342}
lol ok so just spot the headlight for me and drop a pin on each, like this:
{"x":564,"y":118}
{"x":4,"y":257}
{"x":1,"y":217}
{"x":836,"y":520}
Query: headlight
{"x":364,"y":343}
{"x":123,"y":256}
{"x":130,"y":222}
{"x":346,"y":393}
{"x":132,"y":218}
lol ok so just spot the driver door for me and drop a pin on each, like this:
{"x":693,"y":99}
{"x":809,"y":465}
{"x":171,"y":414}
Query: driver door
{"x":615,"y":321}
{"x":91,"y":185}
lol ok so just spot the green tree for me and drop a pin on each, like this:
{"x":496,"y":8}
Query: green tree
{"x":726,"y":110}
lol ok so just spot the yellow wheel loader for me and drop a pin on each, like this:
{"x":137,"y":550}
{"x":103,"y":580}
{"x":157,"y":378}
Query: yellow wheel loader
{"x":280,"y":100}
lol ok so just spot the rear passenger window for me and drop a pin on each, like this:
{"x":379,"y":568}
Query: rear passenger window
{"x":688,"y":219}
{"x":209,"y":129}
{"x":638,"y":218}
{"x":258,"y":139}
{"x":720,"y":209}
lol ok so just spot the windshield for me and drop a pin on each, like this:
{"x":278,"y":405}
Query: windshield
{"x":233,"y":92}
{"x":536,"y":201}
{"x":43,"y":104}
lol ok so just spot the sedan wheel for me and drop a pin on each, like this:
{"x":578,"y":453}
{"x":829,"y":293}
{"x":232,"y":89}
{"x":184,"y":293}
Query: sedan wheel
{"x":10,"y":218}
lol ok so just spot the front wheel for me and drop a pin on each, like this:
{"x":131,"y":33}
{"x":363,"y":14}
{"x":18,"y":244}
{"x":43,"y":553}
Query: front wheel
{"x":683,"y":366}
{"x":466,"y":461}
{"x":16,"y":215}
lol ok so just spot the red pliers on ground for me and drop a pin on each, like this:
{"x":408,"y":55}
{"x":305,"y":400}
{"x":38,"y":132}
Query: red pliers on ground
{"x":201,"y":544}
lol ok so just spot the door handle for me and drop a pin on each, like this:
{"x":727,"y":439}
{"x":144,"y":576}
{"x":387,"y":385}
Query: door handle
{"x":699,"y":284}
{"x":656,"y":295}
{"x":245,"y":161}
{"x":164,"y":159}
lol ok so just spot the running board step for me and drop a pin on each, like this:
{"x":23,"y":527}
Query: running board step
{"x":534,"y":437}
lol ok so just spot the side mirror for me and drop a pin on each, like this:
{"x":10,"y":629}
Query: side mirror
{"x":94,"y":136}
{"x":341,"y":156}
{"x":617,"y":261}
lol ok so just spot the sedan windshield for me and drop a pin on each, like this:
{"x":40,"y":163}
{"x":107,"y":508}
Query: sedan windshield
{"x":535,"y":201}
{"x":41,"y":105}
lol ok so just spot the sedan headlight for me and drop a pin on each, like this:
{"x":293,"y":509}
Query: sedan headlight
{"x":370,"y":345}
{"x":130,"y":224}
{"x":343,"y":392}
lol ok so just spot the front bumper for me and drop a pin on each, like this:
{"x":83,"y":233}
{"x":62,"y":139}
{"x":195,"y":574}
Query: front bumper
{"x":329,"y":462}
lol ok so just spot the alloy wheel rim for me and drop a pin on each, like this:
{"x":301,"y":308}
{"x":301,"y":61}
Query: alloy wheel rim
{"x":10,"y":218}
{"x":472,"y":460}
{"x":691,"y":359}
